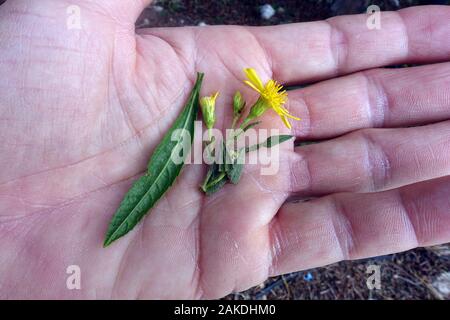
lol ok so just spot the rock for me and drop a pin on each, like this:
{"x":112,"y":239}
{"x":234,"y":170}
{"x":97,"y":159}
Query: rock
{"x":442,"y":284}
{"x":202,"y":24}
{"x":158,"y":8}
{"x":267,"y":11}
{"x":308,"y":277}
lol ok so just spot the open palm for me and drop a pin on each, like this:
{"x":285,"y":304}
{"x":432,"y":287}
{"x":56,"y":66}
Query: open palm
{"x":82,"y":109}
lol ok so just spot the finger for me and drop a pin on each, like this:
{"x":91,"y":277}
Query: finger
{"x":344,"y":44}
{"x":372,"y":160}
{"x":375,"y":98}
{"x":354,"y":226}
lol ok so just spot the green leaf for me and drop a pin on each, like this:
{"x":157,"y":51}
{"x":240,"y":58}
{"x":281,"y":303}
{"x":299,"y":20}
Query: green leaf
{"x":274,"y":140}
{"x":224,"y":155}
{"x":217,"y":185}
{"x":269,"y":143}
{"x":305,"y":143}
{"x":216,"y":180}
{"x":161,"y":171}
{"x":234,"y":170}
{"x":227,"y":160}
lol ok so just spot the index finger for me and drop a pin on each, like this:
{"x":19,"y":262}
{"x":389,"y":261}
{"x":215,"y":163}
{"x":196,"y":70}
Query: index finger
{"x":341,"y":45}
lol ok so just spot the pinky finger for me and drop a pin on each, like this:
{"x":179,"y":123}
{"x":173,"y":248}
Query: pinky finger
{"x":353,"y":226}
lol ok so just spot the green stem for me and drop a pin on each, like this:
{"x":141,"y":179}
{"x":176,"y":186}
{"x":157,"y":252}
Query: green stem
{"x":233,"y":124}
{"x":210,"y":147}
{"x":220,"y":177}
{"x":210,"y":134}
{"x":205,"y":183}
{"x":245,"y":123}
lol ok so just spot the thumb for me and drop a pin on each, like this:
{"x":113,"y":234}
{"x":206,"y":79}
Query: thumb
{"x":126,"y":11}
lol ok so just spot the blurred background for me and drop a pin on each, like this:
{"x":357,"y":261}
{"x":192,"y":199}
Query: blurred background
{"x":416,"y":274}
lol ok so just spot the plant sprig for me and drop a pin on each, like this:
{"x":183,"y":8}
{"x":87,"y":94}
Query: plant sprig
{"x":228,"y":161}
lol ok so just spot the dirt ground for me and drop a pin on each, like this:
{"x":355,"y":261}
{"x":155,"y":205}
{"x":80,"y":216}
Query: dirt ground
{"x":416,"y":274}
{"x":193,"y":12}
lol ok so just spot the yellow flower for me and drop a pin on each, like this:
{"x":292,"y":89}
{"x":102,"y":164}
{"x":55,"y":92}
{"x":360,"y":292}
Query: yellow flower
{"x":208,"y":106}
{"x":272,"y":96}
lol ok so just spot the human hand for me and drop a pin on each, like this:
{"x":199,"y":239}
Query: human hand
{"x":81,"y":111}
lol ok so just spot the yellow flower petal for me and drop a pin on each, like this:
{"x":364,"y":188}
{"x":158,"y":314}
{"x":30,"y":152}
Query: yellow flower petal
{"x":253,"y":86}
{"x":286,"y":113}
{"x":286,"y":122}
{"x":254,"y":79}
{"x":292,"y":117}
{"x":271,"y":95}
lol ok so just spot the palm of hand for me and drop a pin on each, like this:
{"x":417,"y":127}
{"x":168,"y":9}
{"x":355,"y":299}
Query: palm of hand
{"x":97,"y":104}
{"x":93,"y":104}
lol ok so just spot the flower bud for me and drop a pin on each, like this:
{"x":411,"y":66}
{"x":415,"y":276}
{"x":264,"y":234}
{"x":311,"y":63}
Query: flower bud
{"x":208,"y":106}
{"x":238,"y":104}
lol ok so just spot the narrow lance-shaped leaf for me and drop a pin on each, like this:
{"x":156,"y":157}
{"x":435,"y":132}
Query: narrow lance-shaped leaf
{"x":269,"y":143}
{"x":162,"y":171}
{"x":234,"y":171}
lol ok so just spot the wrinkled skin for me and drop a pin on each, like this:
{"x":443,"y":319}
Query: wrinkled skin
{"x":82,"y":110}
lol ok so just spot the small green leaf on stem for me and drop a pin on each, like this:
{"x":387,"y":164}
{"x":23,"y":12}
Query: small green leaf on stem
{"x":216,"y":180}
{"x":234,"y":170}
{"x":269,"y":143}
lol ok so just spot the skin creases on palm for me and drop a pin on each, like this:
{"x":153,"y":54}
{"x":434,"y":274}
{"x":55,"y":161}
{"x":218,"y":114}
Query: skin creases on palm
{"x":82,"y":109}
